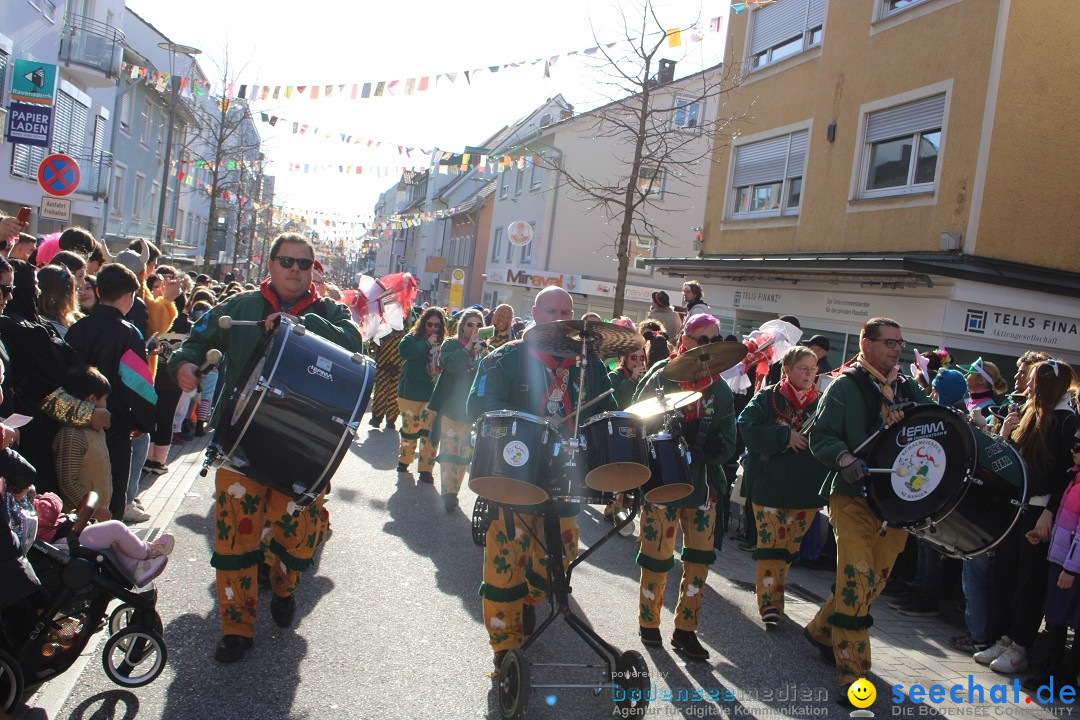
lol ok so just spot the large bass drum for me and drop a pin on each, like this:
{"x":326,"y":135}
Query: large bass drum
{"x":958,"y":488}
{"x":294,"y":412}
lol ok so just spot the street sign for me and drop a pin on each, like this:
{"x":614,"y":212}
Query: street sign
{"x":29,"y":124}
{"x":53,"y":208}
{"x":59,"y":175}
{"x":33,"y":82}
{"x":520,"y":233}
{"x":457,"y":289}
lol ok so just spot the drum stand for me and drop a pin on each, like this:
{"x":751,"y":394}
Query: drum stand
{"x":626,"y":673}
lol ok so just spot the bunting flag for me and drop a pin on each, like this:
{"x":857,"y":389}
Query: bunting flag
{"x":674,"y":37}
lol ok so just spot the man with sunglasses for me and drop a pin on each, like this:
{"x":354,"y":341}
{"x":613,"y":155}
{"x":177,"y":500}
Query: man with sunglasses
{"x":864,"y":398}
{"x":239,"y":525}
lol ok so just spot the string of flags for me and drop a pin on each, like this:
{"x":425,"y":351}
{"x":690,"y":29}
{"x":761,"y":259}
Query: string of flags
{"x":160,"y":80}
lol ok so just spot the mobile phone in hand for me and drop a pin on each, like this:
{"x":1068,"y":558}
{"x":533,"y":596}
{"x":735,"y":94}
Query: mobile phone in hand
{"x":486,"y":333}
{"x":24,"y":214}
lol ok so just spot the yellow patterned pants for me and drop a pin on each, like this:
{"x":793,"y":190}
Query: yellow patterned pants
{"x":455,"y":453}
{"x":779,"y":533}
{"x":416,"y":422}
{"x":244,"y":508}
{"x":863,"y":563}
{"x":516,"y":572}
{"x":656,"y":558}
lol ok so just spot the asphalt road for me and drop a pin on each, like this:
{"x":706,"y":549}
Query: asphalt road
{"x":389,"y":626}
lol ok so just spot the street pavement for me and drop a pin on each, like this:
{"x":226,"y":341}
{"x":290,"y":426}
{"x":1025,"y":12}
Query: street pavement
{"x":389,"y":626}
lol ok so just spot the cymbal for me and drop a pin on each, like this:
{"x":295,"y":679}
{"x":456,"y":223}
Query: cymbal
{"x":705,"y":361}
{"x":671,"y":401}
{"x":563,"y":338}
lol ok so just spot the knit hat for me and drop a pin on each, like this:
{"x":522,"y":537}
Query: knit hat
{"x":820,"y":341}
{"x":49,"y":507}
{"x":951,"y":386}
{"x":661,"y":298}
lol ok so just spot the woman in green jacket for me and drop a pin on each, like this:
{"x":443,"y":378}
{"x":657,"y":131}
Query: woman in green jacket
{"x":458,"y":360}
{"x":419,"y":351}
{"x":783,"y":476}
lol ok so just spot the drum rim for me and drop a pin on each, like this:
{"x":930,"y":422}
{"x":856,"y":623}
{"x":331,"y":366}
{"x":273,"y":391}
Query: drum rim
{"x":610,"y":414}
{"x":517,"y":414}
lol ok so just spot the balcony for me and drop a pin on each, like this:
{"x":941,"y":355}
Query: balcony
{"x":91,"y":50}
{"x":95,"y":168}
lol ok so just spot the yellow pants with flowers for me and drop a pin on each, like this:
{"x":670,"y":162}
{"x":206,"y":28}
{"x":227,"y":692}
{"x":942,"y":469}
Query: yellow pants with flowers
{"x":780,"y":532}
{"x":416,"y":420}
{"x":455,"y":453}
{"x":659,"y":524}
{"x":247,"y":510}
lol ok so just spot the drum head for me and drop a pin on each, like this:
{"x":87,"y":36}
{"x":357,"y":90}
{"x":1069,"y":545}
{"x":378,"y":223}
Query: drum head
{"x":932,"y":454}
{"x":618,"y":476}
{"x":507,"y":490}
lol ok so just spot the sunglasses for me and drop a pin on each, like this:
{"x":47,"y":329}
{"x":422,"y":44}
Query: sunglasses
{"x":287,"y":262}
{"x":890,"y":343}
{"x":7,"y":290}
{"x":705,"y":339}
{"x":433,"y":325}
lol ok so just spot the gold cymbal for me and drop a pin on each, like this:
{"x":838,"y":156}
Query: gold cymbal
{"x":705,"y":362}
{"x":564,"y":338}
{"x":671,"y":401}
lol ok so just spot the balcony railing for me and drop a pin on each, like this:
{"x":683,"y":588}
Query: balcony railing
{"x":92,"y":43}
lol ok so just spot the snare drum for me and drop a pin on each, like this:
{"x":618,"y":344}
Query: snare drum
{"x":616,"y":454}
{"x":294,"y":412}
{"x":512,"y":457}
{"x":959,"y":489}
{"x":670,"y":462}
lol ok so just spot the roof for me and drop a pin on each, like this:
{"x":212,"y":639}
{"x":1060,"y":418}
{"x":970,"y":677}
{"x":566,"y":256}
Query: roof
{"x":897,"y":269}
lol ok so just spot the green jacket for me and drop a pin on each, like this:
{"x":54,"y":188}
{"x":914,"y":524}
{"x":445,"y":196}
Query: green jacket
{"x":843,"y":422}
{"x":624,"y":388}
{"x":717,"y":402}
{"x":775,"y":476}
{"x":452,"y":389}
{"x":501,"y":384}
{"x":334,"y":323}
{"x":415,"y":383}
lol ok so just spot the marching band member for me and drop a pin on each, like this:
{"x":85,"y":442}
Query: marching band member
{"x":244,"y":506}
{"x":709,"y":429}
{"x":419,"y":350}
{"x":521,"y":377}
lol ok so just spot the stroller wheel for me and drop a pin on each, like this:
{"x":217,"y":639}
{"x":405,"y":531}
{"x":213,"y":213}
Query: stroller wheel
{"x":134,"y":657}
{"x":127,"y":615}
{"x":11,"y":682}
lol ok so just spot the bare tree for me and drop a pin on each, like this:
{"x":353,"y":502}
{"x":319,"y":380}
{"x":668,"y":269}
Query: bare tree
{"x":652,"y":118}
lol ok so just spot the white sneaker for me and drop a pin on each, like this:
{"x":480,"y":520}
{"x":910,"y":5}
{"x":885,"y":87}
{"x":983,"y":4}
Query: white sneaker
{"x":133,"y":515}
{"x":147,"y":570}
{"x":993,"y":652}
{"x":1011,"y":661}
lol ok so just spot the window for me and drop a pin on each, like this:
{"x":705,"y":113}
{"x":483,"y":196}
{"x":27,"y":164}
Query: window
{"x":902,"y":148}
{"x":687,"y":113}
{"x":155,"y":189}
{"x":785,"y":28}
{"x":137,"y":203}
{"x":504,"y":184}
{"x":768,"y":176}
{"x":179,"y":229}
{"x":4,"y":60}
{"x":509,"y":251}
{"x":641,"y":247}
{"x":526,"y":250}
{"x":159,"y":139}
{"x":496,"y":244}
{"x":116,"y":196}
{"x":537,"y":176}
{"x":126,"y":112}
{"x":651,"y":180}
{"x":147,"y":121}
{"x":519,"y":180}
{"x":891,"y":7}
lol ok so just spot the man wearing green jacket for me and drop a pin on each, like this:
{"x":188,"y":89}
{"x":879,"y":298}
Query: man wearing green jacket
{"x":853,"y":407}
{"x":521,"y":377}
{"x":244,"y":506}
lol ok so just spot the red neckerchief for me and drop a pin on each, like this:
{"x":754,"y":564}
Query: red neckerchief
{"x":554,"y":364}
{"x":793,"y":417}
{"x":275,"y":302}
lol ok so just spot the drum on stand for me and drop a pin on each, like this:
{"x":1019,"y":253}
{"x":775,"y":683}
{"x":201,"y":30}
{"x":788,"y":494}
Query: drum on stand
{"x":294,"y":413}
{"x":958,"y":488}
{"x":616,"y":454}
{"x":512,"y":457}
{"x":670,"y":460}
{"x":568,"y":480}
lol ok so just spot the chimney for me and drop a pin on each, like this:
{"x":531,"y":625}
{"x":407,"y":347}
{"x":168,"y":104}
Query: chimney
{"x":667,"y":72}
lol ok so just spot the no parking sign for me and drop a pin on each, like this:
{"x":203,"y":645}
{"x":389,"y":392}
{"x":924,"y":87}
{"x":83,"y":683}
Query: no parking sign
{"x":59,"y":175}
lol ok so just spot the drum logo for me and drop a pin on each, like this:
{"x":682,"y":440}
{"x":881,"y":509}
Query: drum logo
{"x":918,"y":469}
{"x":926,"y":430}
{"x":627,"y":432}
{"x":322,"y":368}
{"x":515,"y":453}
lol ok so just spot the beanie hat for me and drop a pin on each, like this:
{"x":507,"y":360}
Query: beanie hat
{"x":661,"y":298}
{"x":48,"y":507}
{"x":951,"y":386}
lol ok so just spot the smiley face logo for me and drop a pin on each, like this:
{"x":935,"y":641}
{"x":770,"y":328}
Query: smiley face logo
{"x":862,"y":693}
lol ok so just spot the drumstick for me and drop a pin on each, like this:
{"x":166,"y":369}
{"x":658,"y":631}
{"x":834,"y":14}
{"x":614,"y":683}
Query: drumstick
{"x":899,"y":472}
{"x":559,"y":421}
{"x":225,"y":322}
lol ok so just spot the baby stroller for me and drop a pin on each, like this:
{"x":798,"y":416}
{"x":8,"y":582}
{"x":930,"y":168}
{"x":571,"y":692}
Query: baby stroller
{"x":78,"y":584}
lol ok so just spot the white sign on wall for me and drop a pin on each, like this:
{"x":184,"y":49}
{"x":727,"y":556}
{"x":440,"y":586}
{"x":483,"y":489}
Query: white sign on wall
{"x":529,"y":278}
{"x":1037,"y":330}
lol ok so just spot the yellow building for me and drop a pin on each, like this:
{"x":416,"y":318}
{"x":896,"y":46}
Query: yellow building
{"x":908,"y":158}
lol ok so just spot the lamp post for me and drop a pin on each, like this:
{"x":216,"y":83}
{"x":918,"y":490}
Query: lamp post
{"x":173,"y":48}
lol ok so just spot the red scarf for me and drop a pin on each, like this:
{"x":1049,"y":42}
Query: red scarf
{"x":798,"y":401}
{"x":557,"y":381}
{"x":298,"y":307}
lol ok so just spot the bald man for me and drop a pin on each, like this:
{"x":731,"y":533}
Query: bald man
{"x":525,"y":379}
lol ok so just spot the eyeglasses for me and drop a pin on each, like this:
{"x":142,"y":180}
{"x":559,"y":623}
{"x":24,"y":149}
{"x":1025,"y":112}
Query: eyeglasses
{"x":7,"y":290}
{"x":287,"y":262}
{"x":890,"y":343}
{"x":435,"y":325}
{"x":705,"y":339}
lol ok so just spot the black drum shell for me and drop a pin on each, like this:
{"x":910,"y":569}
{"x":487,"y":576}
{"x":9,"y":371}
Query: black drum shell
{"x":670,"y":462}
{"x":616,"y":453}
{"x":503,"y":472}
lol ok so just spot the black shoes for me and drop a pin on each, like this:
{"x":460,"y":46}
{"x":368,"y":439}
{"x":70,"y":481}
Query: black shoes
{"x":650,"y":637}
{"x":375,"y":421}
{"x":232,"y":647}
{"x":528,"y":619}
{"x":200,"y":429}
{"x":771,"y":618}
{"x":426,"y":477}
{"x":686,"y":642}
{"x":826,"y":651}
{"x":402,"y":468}
{"x":450,"y":502}
{"x":283,"y":609}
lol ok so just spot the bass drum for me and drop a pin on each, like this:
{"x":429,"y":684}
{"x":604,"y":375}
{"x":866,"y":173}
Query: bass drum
{"x":294,"y":413}
{"x":958,"y":488}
